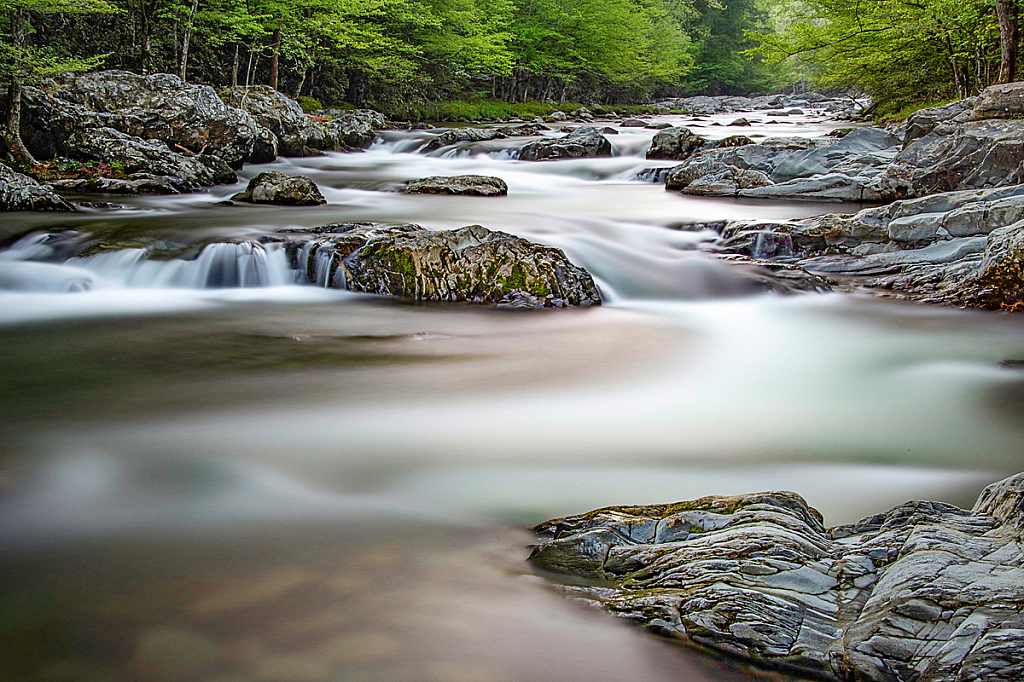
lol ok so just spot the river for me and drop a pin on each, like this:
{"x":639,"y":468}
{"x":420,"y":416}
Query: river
{"x":283,"y":482}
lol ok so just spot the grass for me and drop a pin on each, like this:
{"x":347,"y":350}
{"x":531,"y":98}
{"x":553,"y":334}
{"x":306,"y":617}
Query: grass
{"x":479,"y":110}
{"x":900,"y":111}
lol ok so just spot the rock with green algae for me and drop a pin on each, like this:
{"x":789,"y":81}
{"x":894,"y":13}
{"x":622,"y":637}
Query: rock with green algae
{"x":471,"y":264}
{"x":925,"y":592}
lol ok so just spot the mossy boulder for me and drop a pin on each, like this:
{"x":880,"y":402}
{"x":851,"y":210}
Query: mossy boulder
{"x":470,"y":264}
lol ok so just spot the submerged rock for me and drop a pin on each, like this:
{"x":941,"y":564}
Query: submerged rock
{"x":476,"y":185}
{"x":271,"y":187}
{"x":471,"y":264}
{"x":457,"y":135}
{"x":584,"y":142}
{"x":21,"y":193}
{"x":923,"y":592}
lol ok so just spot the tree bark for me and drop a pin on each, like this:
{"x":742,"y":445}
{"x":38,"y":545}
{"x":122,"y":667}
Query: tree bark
{"x":234,"y":68}
{"x":275,"y":53}
{"x":1006,"y":12}
{"x":145,"y":43}
{"x":302,"y":81}
{"x":186,"y":39}
{"x":17,"y":152}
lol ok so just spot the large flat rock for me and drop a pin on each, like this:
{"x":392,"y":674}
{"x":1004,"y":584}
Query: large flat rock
{"x":925,"y":592}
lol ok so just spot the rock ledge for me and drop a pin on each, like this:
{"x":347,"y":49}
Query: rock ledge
{"x":925,"y":592}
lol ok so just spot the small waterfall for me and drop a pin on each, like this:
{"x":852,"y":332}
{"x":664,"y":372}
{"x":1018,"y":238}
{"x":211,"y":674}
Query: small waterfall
{"x":218,"y":266}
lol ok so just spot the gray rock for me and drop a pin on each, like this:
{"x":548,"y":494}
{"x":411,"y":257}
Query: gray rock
{"x":296,"y":134}
{"x":923,"y":121}
{"x":973,"y":155}
{"x":584,"y":142}
{"x":155,"y":107}
{"x":633,"y":123}
{"x":150,"y":158}
{"x":829,"y":187}
{"x":271,"y":187}
{"x":350,"y":129}
{"x":471,"y":264}
{"x":675,"y":143}
{"x":923,"y":592}
{"x":740,"y":122}
{"x":21,"y":193}
{"x":476,"y":185}
{"x":821,"y":161}
{"x":1000,"y":101}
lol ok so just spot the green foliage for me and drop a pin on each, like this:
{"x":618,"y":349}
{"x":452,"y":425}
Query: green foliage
{"x":901,"y":52}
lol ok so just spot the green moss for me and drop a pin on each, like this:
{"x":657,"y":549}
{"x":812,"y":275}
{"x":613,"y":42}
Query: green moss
{"x":310,"y":104}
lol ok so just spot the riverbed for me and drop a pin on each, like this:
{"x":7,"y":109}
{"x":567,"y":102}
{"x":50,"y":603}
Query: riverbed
{"x":285,"y":482}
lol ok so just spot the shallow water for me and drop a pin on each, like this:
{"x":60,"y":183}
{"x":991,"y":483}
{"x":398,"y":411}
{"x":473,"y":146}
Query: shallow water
{"x":283,"y":482}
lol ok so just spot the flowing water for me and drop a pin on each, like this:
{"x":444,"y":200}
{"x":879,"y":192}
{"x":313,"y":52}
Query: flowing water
{"x":211,"y":472}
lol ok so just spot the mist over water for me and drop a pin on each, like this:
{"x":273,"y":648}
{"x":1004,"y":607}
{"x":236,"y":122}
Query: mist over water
{"x":212,"y":472}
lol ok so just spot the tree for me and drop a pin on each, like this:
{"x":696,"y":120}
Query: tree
{"x":1006,"y":12}
{"x":22,"y":63}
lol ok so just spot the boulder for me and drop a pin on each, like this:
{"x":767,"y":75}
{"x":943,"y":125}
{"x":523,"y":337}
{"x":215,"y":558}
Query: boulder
{"x":1000,"y":101}
{"x":296,"y":134}
{"x":923,"y":121}
{"x":633,"y":123}
{"x":475,"y":185}
{"x":925,"y":591}
{"x":21,"y":193}
{"x":471,"y":264}
{"x":584,"y":142}
{"x":155,"y":107}
{"x":149,"y":158}
{"x":350,"y":129}
{"x":675,"y":143}
{"x":740,"y":122}
{"x":271,"y":187}
{"x":971,"y":155}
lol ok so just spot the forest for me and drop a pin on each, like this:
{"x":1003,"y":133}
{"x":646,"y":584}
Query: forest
{"x":387,"y":53}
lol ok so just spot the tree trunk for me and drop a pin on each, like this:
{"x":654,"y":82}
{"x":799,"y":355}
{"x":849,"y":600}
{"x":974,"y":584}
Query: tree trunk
{"x":144,"y":44}
{"x":17,"y":152}
{"x":1006,"y":11}
{"x":186,"y":39}
{"x":234,"y":68}
{"x":274,"y":54}
{"x":354,"y":91}
{"x":302,"y":81}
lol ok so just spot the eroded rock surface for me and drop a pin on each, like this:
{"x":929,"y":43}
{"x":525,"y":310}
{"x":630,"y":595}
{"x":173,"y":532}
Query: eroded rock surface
{"x":925,"y":592}
{"x":470,"y":264}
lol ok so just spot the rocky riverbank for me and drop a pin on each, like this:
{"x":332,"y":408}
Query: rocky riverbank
{"x":925,"y":592}
{"x":122,"y":133}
